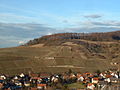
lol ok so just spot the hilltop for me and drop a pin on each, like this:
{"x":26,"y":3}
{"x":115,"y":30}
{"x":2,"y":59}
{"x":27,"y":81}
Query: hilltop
{"x":108,"y":36}
{"x":61,"y":52}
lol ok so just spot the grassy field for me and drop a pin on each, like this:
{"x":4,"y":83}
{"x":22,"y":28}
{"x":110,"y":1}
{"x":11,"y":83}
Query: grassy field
{"x":76,"y":86}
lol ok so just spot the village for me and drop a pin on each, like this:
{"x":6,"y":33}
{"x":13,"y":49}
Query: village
{"x":107,"y":80}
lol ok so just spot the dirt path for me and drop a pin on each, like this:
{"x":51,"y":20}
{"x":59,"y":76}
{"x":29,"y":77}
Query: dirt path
{"x":66,"y":66}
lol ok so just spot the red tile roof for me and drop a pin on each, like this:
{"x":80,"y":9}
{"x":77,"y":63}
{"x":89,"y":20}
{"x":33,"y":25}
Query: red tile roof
{"x":95,"y":78}
{"x":41,"y":85}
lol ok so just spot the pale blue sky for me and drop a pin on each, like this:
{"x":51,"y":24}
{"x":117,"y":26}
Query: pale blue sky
{"x":55,"y":12}
{"x":22,"y":20}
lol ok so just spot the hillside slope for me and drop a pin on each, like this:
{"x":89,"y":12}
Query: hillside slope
{"x":61,"y":52}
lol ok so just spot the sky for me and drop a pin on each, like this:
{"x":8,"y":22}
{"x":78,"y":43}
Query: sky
{"x":23,"y":20}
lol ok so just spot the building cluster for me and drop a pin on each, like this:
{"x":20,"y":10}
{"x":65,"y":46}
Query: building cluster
{"x":42,"y":81}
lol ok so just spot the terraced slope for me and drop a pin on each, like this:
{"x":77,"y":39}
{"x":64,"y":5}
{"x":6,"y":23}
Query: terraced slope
{"x":76,"y":54}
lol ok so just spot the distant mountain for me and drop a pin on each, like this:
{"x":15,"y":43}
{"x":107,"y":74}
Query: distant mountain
{"x":60,"y":52}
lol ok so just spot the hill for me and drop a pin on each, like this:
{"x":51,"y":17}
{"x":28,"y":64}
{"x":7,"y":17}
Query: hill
{"x":61,"y":52}
{"x":109,"y":36}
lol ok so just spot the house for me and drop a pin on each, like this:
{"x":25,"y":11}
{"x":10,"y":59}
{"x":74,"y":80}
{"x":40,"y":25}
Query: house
{"x":34,"y":80}
{"x":80,"y":78}
{"x":41,"y":86}
{"x":91,"y":76}
{"x":108,"y":76}
{"x":102,"y":75}
{"x":90,"y":86}
{"x":116,"y":76}
{"x":54,"y":79}
{"x":102,"y":83}
{"x":87,"y":73}
{"x":114,"y":80}
{"x":1,"y":85}
{"x":95,"y":80}
{"x":87,"y":80}
{"x":22,"y":75}
{"x":16,"y":78}
{"x":107,"y":80}
{"x":18,"y":83}
{"x":72,"y":75}
{"x":27,"y":84}
{"x":2,"y":77}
